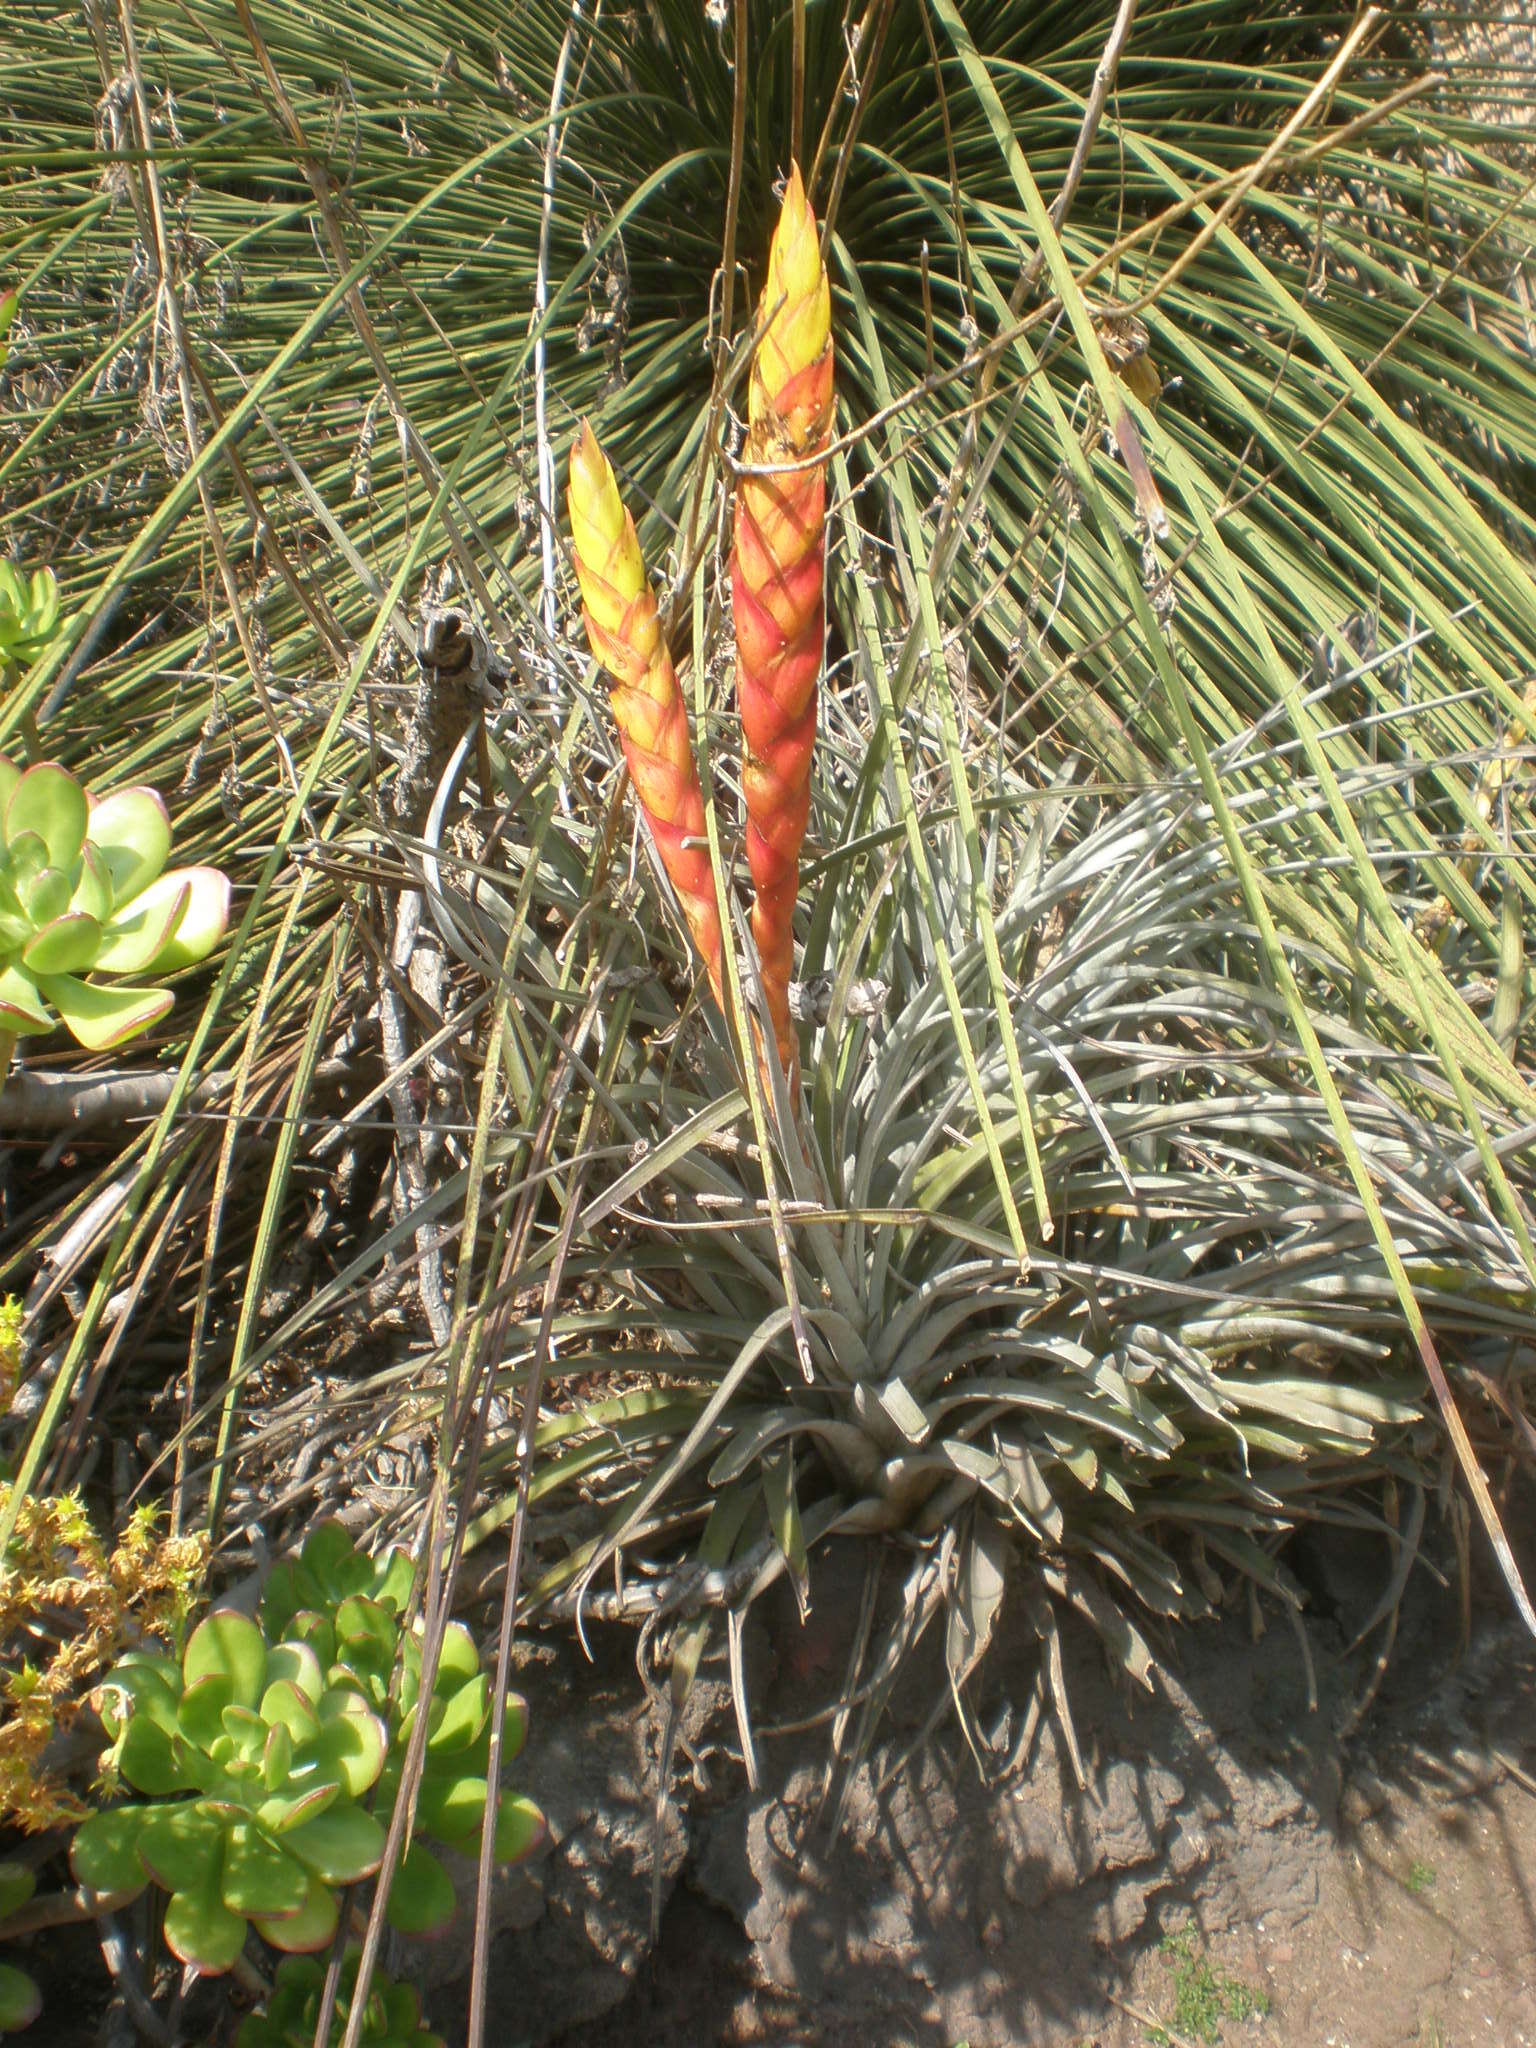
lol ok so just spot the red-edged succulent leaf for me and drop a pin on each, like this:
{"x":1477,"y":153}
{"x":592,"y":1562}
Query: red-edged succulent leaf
{"x":131,"y":829}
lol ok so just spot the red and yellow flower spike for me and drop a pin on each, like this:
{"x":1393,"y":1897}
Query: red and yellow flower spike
{"x":624,"y":633}
{"x":776,"y":584}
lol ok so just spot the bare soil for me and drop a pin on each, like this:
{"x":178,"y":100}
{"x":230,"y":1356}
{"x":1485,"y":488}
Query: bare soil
{"x":1236,"y":1870}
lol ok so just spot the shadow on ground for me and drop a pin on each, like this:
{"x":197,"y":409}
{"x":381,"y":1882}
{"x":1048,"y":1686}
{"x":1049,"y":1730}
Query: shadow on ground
{"x":1235,"y":1870}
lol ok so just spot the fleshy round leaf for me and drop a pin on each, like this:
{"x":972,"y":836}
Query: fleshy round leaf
{"x":200,"y":1714}
{"x":200,"y":1929}
{"x":311,"y":1928}
{"x":28,"y":856}
{"x":460,"y":1656}
{"x":149,"y":1760}
{"x":342,"y":1845}
{"x":351,"y":1744}
{"x":10,"y":774}
{"x":17,"y":1884}
{"x":47,"y":800}
{"x":394,"y":1587}
{"x":20,"y":2000}
{"x":277,"y":1757}
{"x":132,"y":831}
{"x":46,"y":897}
{"x":463,"y":1716}
{"x":514,"y":1727}
{"x":285,"y":1810}
{"x":362,"y":1621}
{"x":182,"y":1848}
{"x":296,"y":1664}
{"x":140,"y":1682}
{"x":22,"y":1010}
{"x":421,"y":1899}
{"x":133,"y":942}
{"x":231,"y":1644}
{"x":259,"y":1875}
{"x":104,"y":1855}
{"x":93,"y":890}
{"x":203,"y":921}
{"x":103,"y":1017}
{"x":329,"y":1549}
{"x":452,"y":1808}
{"x":520,"y":1828}
{"x":67,"y":946}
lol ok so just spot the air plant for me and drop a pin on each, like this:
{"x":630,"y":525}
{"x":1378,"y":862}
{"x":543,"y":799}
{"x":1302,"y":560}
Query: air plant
{"x":85,"y":898}
{"x":1128,"y":1428}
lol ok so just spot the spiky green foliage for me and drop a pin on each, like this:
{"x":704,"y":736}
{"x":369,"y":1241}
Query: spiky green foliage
{"x":1202,"y":1361}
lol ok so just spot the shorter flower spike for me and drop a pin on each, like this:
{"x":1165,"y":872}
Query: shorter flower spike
{"x":624,"y":633}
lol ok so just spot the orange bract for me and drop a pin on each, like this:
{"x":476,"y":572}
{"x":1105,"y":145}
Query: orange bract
{"x":776,"y":585}
{"x":624,"y":633}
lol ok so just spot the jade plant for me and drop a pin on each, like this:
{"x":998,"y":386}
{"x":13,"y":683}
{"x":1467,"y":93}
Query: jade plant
{"x":348,"y":1608}
{"x":20,"y":2001}
{"x":391,"y":2013}
{"x":29,"y":613}
{"x":85,"y":891}
{"x":254,"y":1766}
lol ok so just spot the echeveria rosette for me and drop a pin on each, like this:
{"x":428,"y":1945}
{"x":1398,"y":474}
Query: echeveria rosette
{"x":348,"y":1607}
{"x":391,"y":2013}
{"x":253,"y":1767}
{"x":20,"y":1999}
{"x":85,"y":891}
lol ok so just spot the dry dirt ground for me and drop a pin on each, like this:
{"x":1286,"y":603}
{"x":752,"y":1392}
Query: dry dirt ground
{"x":1235,"y":1871}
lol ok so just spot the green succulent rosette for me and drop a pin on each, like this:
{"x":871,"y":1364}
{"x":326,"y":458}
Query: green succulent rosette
{"x":253,"y":1768}
{"x":391,"y":2012}
{"x":348,"y":1607}
{"x":85,"y":892}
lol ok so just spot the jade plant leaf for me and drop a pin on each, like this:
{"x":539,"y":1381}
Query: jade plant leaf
{"x":105,"y":1853}
{"x":131,"y":829}
{"x":49,"y":801}
{"x":421,"y":1899}
{"x":20,"y":2000}
{"x":103,"y":1017}
{"x":201,"y":1929}
{"x":312,"y":1927}
{"x":182,"y":1848}
{"x":260,"y":1876}
{"x":391,"y":2016}
{"x":340,"y":1846}
{"x":520,"y":1828}
{"x":229,"y":1645}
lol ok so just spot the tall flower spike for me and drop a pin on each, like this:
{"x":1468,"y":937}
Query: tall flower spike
{"x":776,"y":585}
{"x":624,"y":633}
